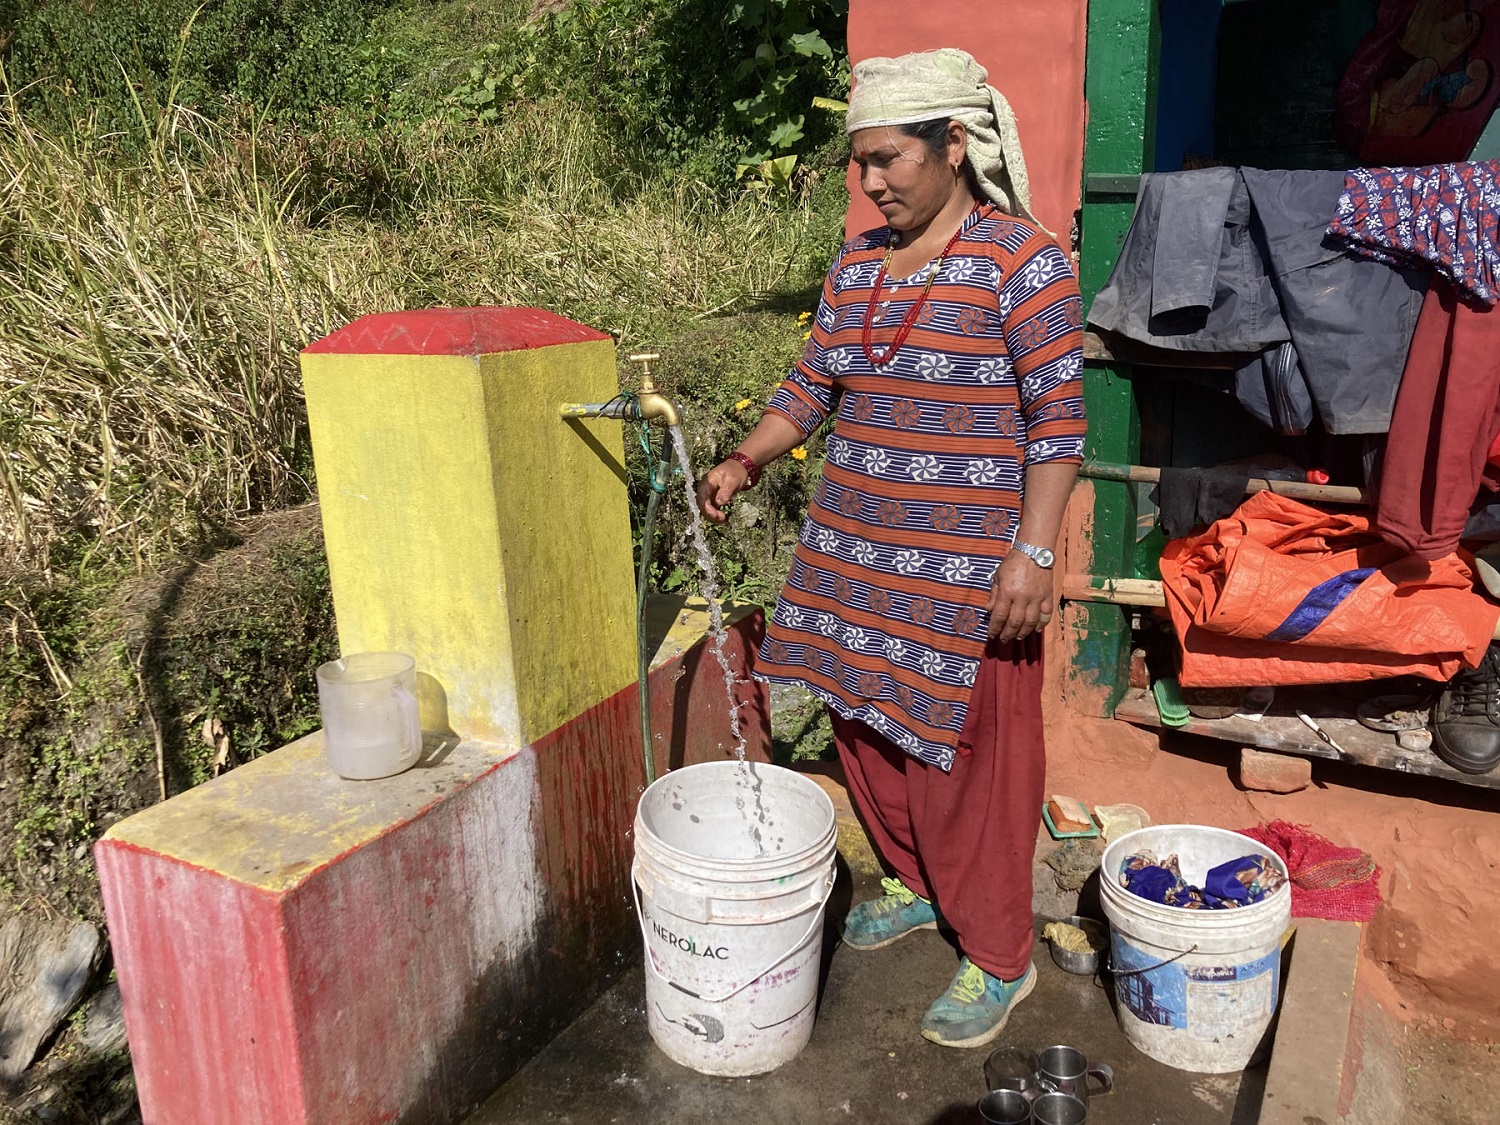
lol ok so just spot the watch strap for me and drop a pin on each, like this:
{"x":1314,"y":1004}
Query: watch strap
{"x":1036,"y":554}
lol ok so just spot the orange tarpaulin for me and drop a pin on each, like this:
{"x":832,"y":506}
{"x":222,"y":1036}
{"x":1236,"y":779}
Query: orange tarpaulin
{"x":1285,"y":593}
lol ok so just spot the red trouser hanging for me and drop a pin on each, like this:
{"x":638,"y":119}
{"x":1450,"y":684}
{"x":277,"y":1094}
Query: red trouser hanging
{"x":1447,"y":415}
{"x":966,"y":838}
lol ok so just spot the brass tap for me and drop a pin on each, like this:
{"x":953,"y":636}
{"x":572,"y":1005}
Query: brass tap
{"x":653,"y":404}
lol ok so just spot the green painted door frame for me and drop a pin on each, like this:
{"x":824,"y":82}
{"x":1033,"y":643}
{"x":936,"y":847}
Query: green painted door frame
{"x":1120,"y":88}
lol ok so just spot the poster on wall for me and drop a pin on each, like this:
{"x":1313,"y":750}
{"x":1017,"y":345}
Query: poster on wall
{"x":1422,"y":84}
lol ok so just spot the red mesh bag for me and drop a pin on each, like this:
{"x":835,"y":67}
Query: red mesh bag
{"x":1328,"y":881}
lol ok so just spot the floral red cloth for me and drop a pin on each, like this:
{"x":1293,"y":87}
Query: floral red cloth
{"x":883,"y":615}
{"x":1446,"y":216}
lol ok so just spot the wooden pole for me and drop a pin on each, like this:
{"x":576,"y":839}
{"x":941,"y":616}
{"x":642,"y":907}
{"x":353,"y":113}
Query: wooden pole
{"x":1296,"y":489}
{"x":1116,"y":591}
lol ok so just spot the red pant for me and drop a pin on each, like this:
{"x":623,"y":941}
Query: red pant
{"x":1446,"y":418}
{"x":966,"y":838}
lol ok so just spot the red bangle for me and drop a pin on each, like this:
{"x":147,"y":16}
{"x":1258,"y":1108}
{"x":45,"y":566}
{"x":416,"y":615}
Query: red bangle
{"x":752,"y":470}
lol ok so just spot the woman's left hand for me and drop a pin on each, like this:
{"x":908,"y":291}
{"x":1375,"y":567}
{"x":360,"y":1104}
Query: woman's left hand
{"x":1021,"y":600}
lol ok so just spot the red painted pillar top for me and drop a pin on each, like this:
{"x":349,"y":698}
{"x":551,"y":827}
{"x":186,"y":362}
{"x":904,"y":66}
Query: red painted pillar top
{"x":471,"y":332}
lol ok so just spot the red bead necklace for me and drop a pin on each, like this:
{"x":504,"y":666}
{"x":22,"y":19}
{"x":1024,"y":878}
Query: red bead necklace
{"x":909,"y":321}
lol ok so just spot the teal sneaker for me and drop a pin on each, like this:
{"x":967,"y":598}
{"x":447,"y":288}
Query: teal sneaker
{"x":975,"y":1007}
{"x":881,"y":921}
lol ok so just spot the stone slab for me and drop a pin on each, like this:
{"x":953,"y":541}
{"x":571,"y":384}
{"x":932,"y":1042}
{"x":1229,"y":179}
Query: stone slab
{"x":1274,"y":773}
{"x":1312,"y":1036}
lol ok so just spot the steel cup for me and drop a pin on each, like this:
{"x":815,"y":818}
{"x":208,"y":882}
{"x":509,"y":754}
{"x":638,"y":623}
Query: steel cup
{"x":1059,"y":1109}
{"x":1005,"y":1107}
{"x":1028,"y":1088}
{"x":1066,"y":1070}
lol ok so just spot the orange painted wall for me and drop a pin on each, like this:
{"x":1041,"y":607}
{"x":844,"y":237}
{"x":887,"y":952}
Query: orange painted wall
{"x":1034,"y":51}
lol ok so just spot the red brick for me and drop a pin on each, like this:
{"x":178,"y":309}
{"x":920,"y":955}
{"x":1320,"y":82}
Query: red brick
{"x":1274,"y":773}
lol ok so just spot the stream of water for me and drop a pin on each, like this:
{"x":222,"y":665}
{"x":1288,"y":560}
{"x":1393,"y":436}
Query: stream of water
{"x":709,"y":590}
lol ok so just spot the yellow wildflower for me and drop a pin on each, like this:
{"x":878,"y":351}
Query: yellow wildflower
{"x":800,"y":453}
{"x":744,"y":402}
{"x":807,"y":335}
{"x":803,"y":317}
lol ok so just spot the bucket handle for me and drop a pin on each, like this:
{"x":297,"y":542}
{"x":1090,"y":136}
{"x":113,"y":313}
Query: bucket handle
{"x":1132,"y":972}
{"x":817,"y":920}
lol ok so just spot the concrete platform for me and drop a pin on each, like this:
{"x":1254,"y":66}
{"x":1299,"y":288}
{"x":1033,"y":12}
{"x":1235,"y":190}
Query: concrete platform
{"x":1306,"y":1078}
{"x":866,"y":1061}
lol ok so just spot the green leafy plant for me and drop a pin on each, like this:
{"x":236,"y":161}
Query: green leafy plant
{"x":482,"y":93}
{"x":792,"y":64}
{"x":687,"y":85}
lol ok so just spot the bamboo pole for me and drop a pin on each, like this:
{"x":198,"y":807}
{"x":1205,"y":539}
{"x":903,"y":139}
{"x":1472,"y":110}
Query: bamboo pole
{"x":1296,"y":489}
{"x":1117,"y":591}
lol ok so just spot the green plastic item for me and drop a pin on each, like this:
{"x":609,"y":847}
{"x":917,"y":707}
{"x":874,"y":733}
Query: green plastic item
{"x":1169,"y":704}
{"x":1058,"y":834}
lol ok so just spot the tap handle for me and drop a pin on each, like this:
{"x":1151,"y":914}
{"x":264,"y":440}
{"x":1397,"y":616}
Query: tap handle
{"x":645,"y":359}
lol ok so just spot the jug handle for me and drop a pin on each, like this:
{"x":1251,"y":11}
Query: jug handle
{"x":411,"y":718}
{"x":1105,"y":1074}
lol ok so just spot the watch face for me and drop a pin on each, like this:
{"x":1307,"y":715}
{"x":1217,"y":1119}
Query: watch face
{"x":1042,"y":556}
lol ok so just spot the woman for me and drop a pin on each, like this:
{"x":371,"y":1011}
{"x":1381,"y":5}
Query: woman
{"x":949,"y":344}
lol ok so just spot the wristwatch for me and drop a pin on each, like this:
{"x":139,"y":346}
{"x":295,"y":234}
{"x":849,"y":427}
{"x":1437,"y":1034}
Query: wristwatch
{"x":1042,"y":556}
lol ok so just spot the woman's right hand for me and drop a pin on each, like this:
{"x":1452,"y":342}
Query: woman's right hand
{"x":718,"y":486}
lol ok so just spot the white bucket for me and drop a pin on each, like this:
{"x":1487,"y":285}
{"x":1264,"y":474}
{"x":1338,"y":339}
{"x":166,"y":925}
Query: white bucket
{"x":1195,"y":989}
{"x":734,"y":863}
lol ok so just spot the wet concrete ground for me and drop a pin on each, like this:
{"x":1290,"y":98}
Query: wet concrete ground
{"x":866,"y":1061}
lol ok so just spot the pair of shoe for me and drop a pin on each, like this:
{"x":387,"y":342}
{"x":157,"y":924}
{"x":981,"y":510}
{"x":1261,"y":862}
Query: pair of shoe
{"x":1466,"y":718}
{"x":976,"y":1005}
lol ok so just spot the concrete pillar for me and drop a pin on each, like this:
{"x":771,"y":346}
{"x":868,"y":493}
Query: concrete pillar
{"x":296,"y":949}
{"x":466,"y":524}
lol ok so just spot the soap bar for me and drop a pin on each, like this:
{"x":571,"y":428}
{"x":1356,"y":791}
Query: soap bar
{"x":1069,"y":814}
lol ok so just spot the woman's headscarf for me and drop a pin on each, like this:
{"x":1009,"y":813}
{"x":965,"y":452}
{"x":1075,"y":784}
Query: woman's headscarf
{"x":927,"y":85}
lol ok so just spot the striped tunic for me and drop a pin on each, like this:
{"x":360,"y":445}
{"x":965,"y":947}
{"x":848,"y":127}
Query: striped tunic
{"x":883,"y":615}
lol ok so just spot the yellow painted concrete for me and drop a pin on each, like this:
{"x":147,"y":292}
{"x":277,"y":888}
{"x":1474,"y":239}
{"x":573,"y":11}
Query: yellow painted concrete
{"x":565,"y":529}
{"x":682,"y":622}
{"x":468,"y":525}
{"x":274,"y":821}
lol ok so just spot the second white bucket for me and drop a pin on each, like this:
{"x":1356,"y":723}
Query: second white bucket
{"x":1195,"y":989}
{"x":734,"y":863}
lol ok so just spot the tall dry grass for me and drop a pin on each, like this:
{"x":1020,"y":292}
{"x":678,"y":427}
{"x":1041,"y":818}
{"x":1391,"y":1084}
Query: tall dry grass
{"x":154,"y":296}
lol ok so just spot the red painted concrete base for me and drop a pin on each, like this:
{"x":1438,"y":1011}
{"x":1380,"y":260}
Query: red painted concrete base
{"x":402,"y":979}
{"x":689,"y":706}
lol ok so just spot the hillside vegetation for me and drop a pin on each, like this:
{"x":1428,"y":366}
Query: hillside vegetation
{"x":193,"y":193}
{"x":190,"y":193}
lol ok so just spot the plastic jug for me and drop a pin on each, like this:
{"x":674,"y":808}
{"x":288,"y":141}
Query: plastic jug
{"x":371,"y":727}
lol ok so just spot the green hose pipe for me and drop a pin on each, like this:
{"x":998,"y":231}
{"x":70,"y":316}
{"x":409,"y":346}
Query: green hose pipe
{"x":658,"y":486}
